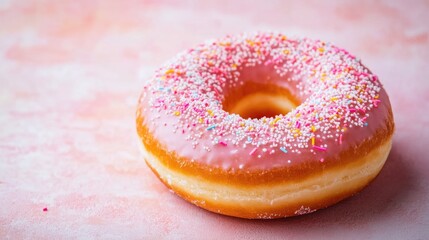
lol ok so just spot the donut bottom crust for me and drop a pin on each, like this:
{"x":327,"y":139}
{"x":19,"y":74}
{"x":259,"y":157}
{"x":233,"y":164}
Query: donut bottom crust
{"x":274,"y":200}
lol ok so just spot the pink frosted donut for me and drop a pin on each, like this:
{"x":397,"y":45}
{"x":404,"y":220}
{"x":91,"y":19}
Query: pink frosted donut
{"x":262,"y":126}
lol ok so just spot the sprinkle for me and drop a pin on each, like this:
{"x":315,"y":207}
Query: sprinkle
{"x":283,"y":149}
{"x":275,"y":120}
{"x":253,"y":151}
{"x":322,"y":160}
{"x":223,"y":143}
{"x":211,"y":127}
{"x":375,"y":102}
{"x":169,"y":71}
{"x":319,"y":148}
{"x":313,"y":141}
{"x":250,"y":42}
{"x":216,"y":91}
{"x":45,"y":209}
{"x":177,"y":113}
{"x":340,"y":140}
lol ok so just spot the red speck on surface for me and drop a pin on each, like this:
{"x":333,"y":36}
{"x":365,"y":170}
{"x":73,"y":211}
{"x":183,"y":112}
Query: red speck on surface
{"x":45,"y":209}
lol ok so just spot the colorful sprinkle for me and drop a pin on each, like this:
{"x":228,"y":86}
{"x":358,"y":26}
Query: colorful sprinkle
{"x":283,"y":149}
{"x":376,"y":102}
{"x":169,"y":71}
{"x":211,"y":127}
{"x":319,"y":148}
{"x":275,"y":120}
{"x":253,"y":151}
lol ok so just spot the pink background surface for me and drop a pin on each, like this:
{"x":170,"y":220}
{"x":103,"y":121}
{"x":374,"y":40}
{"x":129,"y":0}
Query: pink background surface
{"x":71,"y":73}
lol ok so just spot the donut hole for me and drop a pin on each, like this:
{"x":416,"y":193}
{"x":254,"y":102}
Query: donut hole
{"x":255,"y":101}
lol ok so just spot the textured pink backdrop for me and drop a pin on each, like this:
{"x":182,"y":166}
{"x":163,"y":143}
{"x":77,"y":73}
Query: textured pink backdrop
{"x":70,"y":76}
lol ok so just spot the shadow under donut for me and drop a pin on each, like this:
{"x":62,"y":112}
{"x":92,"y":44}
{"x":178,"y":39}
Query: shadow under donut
{"x":390,"y":190}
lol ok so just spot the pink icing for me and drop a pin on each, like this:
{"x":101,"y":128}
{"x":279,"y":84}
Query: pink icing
{"x":343,"y":103}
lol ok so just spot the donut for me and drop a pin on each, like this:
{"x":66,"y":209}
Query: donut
{"x":263,"y":126}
